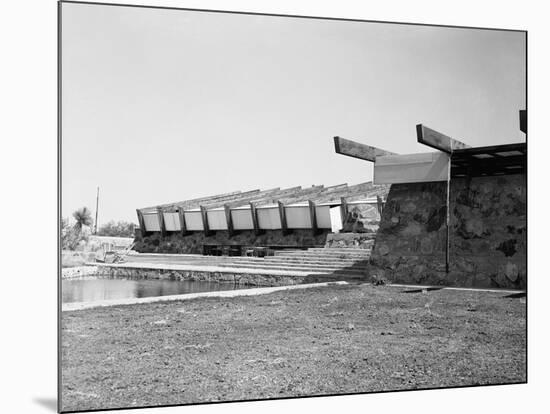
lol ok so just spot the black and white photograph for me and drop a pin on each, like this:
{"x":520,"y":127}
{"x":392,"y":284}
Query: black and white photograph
{"x":259,"y":207}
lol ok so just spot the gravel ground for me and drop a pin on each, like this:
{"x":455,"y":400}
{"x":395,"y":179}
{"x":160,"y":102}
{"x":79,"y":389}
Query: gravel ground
{"x":330,"y":340}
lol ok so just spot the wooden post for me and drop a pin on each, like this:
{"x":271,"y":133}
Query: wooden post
{"x":161,"y":221}
{"x":380,"y":204}
{"x":183,"y":225}
{"x":141,"y":222}
{"x":255,"y":221}
{"x":343,"y":210}
{"x":282,"y":215}
{"x":204,"y":217}
{"x":523,"y":120}
{"x":96,"y":210}
{"x":229,"y":220}
{"x":448,"y":218}
{"x":313,"y":217}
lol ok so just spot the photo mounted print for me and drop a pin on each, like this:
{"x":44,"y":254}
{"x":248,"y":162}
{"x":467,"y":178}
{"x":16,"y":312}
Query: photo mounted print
{"x":261,"y":206}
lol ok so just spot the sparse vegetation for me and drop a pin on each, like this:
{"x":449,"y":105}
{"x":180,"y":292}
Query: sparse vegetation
{"x":72,"y":236}
{"x":117,"y":229}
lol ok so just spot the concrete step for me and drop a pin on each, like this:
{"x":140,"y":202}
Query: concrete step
{"x":327,"y":256}
{"x":350,"y":270}
{"x":183,"y":258}
{"x":337,"y":249}
{"x":341,"y":263}
{"x":267,"y":260}
{"x":299,"y":268}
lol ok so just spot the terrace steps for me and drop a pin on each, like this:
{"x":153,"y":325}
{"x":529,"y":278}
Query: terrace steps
{"x":322,"y":264}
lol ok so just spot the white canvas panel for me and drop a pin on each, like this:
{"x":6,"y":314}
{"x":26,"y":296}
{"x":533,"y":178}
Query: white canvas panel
{"x":172,"y":221}
{"x":411,"y":168}
{"x":268,"y":218}
{"x":216,"y":219}
{"x":336,"y":219}
{"x":298,"y":217}
{"x":193,"y":221}
{"x":151,"y":221}
{"x":242,"y":219}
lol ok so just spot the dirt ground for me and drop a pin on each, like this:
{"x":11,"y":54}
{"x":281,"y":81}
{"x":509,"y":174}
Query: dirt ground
{"x":337,"y":339}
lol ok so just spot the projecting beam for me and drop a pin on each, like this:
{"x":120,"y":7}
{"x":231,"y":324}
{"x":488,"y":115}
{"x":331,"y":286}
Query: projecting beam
{"x":344,"y":209}
{"x":183,"y":225}
{"x":204,"y":217}
{"x":282,"y":215}
{"x":313,"y":216}
{"x":229,"y":220}
{"x":412,"y":168}
{"x":523,"y":120}
{"x":357,"y":150}
{"x":162,"y":225}
{"x":380,"y":205}
{"x":141,"y":222}
{"x":254,"y":214}
{"x":437,"y":140}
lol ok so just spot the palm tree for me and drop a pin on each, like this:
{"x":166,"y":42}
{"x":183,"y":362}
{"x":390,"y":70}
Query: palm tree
{"x":83,"y":217}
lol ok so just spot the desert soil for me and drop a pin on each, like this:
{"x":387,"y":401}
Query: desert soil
{"x":331,"y":340}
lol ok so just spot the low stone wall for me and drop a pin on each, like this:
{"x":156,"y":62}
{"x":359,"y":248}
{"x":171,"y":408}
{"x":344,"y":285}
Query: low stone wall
{"x":79,"y":271}
{"x":192,"y":243}
{"x":361,"y":218}
{"x":487,"y":233}
{"x":350,"y":240}
{"x":253,"y":279}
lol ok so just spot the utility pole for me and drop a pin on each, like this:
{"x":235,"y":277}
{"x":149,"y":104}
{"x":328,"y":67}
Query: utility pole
{"x":96,"y":210}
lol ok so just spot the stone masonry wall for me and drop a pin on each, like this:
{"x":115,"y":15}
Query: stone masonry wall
{"x":489,"y":231}
{"x":350,"y":240}
{"x":361,"y":218}
{"x":192,"y":243}
{"x":410,"y":244}
{"x":487,"y":234}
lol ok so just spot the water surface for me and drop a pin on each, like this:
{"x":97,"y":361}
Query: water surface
{"x":96,"y":289}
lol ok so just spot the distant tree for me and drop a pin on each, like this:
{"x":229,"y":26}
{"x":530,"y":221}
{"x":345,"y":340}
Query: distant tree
{"x":71,"y":236}
{"x":117,"y":229}
{"x":83,"y":217}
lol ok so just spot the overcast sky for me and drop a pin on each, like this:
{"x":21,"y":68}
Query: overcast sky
{"x":168,"y":105}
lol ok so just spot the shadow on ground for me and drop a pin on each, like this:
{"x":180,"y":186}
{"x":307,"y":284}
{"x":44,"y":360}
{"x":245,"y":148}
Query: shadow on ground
{"x":49,"y":403}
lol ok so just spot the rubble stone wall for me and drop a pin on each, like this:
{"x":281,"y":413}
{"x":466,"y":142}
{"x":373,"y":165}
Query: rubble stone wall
{"x":192,"y":243}
{"x":350,"y":240}
{"x":361,"y":218}
{"x":487,"y":234}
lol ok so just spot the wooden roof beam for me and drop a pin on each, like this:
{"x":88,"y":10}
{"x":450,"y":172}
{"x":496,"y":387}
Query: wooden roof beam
{"x":187,"y":202}
{"x":437,"y":140}
{"x":523,"y":120}
{"x":241,"y":201}
{"x":221,"y":202}
{"x":312,"y":195}
{"x":346,"y":192}
{"x":357,"y":150}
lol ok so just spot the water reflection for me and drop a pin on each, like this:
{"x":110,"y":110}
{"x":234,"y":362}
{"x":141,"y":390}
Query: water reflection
{"x":96,"y":289}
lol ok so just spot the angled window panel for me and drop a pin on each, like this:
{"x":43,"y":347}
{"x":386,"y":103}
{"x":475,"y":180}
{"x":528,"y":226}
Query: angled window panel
{"x":217,"y":219}
{"x":323,"y":217}
{"x":193,"y":220}
{"x":297,"y":217}
{"x":268,"y":218}
{"x":411,"y":168}
{"x":171,"y":221}
{"x":242,"y":219}
{"x":151,"y":221}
